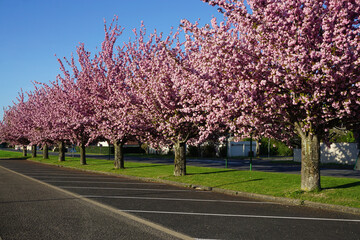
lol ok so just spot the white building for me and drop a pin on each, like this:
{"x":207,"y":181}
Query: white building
{"x":241,"y":149}
{"x":343,"y":153}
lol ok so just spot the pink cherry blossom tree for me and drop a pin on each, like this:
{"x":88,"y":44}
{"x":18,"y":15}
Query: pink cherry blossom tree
{"x":41,"y":117}
{"x":302,"y":73}
{"x":115,"y":113}
{"x":53,"y":123}
{"x":170,"y":90}
{"x":9,"y":129}
{"x":73,"y":97}
{"x":16,"y":125}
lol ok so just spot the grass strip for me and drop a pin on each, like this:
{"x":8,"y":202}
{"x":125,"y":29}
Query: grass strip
{"x":11,"y":155}
{"x":338,"y":191}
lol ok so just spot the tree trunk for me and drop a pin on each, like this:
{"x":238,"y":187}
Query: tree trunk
{"x":357,"y":165}
{"x":180,"y":159}
{"x":310,"y":163}
{"x":257,"y":147}
{"x":119,"y":155}
{"x":24,"y":150}
{"x":82,"y":154}
{"x":357,"y":138}
{"x":33,"y":151}
{"x":61,"y":151}
{"x":45,"y":152}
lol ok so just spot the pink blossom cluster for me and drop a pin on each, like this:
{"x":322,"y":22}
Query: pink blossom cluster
{"x":295,"y":63}
{"x":287,"y":68}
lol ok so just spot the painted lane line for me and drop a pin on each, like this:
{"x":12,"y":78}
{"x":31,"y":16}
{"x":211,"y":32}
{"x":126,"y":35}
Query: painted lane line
{"x":43,"y":172}
{"x":130,"y":183}
{"x":243,"y":216}
{"x":79,"y":177}
{"x":51,"y":174}
{"x":178,"y":199}
{"x":131,"y":189}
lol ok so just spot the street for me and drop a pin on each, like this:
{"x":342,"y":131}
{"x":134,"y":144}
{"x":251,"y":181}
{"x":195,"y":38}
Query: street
{"x":31,"y":210}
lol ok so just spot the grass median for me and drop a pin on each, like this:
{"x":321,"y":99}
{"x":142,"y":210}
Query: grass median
{"x":338,"y":191}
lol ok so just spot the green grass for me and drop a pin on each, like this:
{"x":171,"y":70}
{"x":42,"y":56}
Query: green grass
{"x":339,"y":191}
{"x":9,"y":154}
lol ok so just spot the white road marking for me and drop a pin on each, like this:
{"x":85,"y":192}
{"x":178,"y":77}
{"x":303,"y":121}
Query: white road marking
{"x":242,"y":216}
{"x":51,"y":174}
{"x":79,"y":177}
{"x":132,"y":189}
{"x":177,"y":199}
{"x":124,"y":182}
{"x":201,"y":239}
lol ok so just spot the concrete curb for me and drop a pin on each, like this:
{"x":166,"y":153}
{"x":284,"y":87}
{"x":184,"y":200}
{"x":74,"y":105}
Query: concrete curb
{"x":281,"y":200}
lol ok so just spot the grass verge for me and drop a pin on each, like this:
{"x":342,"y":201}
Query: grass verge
{"x":12,"y":155}
{"x":338,"y":191}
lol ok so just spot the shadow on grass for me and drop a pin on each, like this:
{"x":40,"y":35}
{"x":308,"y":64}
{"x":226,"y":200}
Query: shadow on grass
{"x":202,"y":173}
{"x":348,"y":185}
{"x":154,"y":165}
{"x":229,"y":184}
{"x":14,"y":158}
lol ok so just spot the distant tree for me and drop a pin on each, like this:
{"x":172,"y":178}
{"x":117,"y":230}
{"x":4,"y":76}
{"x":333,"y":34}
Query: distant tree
{"x":15,"y":125}
{"x":40,"y":133}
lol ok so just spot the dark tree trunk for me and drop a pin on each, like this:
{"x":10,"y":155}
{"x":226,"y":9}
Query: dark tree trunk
{"x":310,"y":162}
{"x":119,"y":155}
{"x":45,"y":152}
{"x":33,"y":151}
{"x":357,"y":138}
{"x":24,"y":150}
{"x":61,"y":151}
{"x":180,"y":159}
{"x":257,"y":147}
{"x":357,"y":165}
{"x":82,"y":154}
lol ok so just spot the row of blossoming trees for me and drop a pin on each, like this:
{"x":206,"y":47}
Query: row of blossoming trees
{"x":288,"y":68}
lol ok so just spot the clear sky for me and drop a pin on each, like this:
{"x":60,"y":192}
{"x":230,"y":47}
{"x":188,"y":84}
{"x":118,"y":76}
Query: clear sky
{"x":33,"y":31}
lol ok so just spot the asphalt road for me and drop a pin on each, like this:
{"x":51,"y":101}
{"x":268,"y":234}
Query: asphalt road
{"x":31,"y":210}
{"x":29,"y":207}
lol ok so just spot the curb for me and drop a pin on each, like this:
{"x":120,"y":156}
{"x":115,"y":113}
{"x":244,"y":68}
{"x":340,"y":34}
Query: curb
{"x":281,"y":200}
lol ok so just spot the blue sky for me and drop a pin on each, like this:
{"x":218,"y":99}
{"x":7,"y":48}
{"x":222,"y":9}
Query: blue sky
{"x":33,"y":31}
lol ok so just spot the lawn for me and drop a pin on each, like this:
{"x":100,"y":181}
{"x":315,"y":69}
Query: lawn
{"x":9,"y":154}
{"x":339,"y":191}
